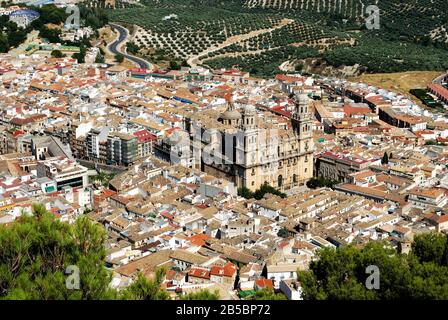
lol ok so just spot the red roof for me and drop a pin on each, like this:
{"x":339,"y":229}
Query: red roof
{"x":198,"y":239}
{"x":171,"y":130}
{"x":284,"y":77}
{"x":225,"y":87}
{"x":18,"y":133}
{"x":145,"y":136}
{"x":167,"y":215}
{"x":108,"y":193}
{"x":199,"y":273}
{"x":349,"y":110}
{"x":281,"y":111}
{"x":439,"y":90}
{"x":23,"y":121}
{"x":227,"y":271}
{"x":139,"y":70}
{"x":264,"y":283}
{"x":234,"y":72}
{"x":228,"y":96}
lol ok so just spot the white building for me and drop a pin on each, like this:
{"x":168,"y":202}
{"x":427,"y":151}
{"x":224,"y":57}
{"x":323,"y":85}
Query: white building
{"x":292,"y":289}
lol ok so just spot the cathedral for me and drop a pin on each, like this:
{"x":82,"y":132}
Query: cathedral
{"x":242,"y":147}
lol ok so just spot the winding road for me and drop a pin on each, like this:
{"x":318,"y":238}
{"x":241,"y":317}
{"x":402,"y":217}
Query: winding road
{"x":114,"y":47}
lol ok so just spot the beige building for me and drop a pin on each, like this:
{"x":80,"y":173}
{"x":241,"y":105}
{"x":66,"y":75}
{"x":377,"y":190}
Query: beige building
{"x":240,"y":146}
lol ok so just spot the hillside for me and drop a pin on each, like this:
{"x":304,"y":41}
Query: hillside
{"x":261,"y":35}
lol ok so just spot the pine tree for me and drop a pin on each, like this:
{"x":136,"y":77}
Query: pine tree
{"x":385,"y":159}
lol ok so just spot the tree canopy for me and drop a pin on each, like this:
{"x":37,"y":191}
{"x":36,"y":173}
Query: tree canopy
{"x":321,"y":182}
{"x":259,"y":193}
{"x":340,"y":274}
{"x":385,"y":159}
{"x":39,"y":257}
{"x":201,"y":295}
{"x":57,"y":53}
{"x":119,"y":57}
{"x":36,"y":251}
{"x":144,"y":289}
{"x":268,"y":294}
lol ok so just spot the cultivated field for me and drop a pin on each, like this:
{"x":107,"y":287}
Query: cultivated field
{"x":401,"y":82}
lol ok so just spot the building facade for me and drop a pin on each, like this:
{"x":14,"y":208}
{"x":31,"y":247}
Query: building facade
{"x":239,"y":146}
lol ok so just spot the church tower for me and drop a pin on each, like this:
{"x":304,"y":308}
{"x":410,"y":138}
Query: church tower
{"x":302,"y":122}
{"x":249,"y":118}
{"x":249,"y":130}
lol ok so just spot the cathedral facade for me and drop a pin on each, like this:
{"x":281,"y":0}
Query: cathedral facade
{"x":241,"y":147}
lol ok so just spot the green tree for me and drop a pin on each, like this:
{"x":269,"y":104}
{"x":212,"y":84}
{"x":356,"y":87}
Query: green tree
{"x":174,"y":65}
{"x":431,"y":247}
{"x":340,"y":274}
{"x":268,"y":294}
{"x":283,"y":233}
{"x":37,"y":249}
{"x":57,"y":53}
{"x":131,"y":47}
{"x":266,"y":188}
{"x":321,"y":182}
{"x":385,"y":159}
{"x":80,"y":56}
{"x":119,"y":57}
{"x":99,"y":58}
{"x":201,"y":295}
{"x":52,"y":35}
{"x":4,"y":43}
{"x":245,"y":193}
{"x":145,"y":289}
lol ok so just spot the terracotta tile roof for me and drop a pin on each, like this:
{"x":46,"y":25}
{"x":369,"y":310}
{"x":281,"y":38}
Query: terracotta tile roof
{"x":228,"y":270}
{"x":264,"y":283}
{"x":199,"y":273}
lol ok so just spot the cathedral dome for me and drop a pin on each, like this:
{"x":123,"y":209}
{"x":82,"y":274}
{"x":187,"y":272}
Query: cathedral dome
{"x":230,"y":115}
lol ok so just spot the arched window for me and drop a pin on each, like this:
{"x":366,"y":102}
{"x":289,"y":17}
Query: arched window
{"x":280,"y":181}
{"x":294,"y":178}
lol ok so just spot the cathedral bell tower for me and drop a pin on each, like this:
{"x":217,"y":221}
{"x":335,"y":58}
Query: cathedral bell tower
{"x":301,"y":120}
